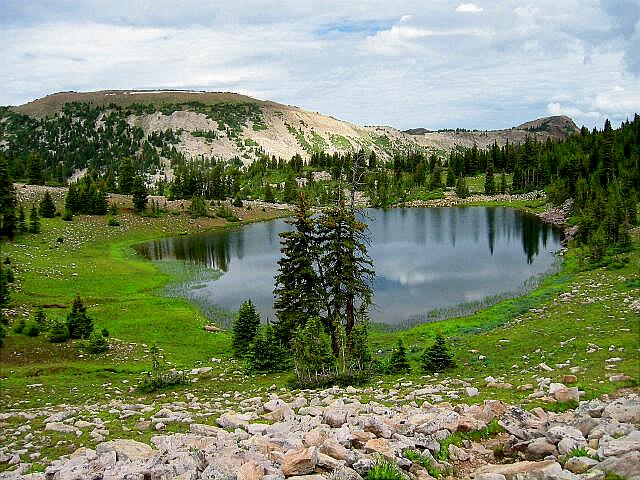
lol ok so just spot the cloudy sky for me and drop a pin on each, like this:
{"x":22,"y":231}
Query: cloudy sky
{"x":430,"y":63}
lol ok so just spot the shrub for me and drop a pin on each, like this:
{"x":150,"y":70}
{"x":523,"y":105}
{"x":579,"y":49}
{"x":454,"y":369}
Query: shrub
{"x":160,"y":377}
{"x":97,"y":343}
{"x":113,"y":222}
{"x":58,"y":332}
{"x":105,"y":333}
{"x":225,"y":212}
{"x":18,"y":325}
{"x":40,"y":318}
{"x":437,"y":357}
{"x":237,"y":202}
{"x":31,"y":328}
{"x":67,"y":216}
{"x":384,"y":470}
{"x":80,"y":325}
{"x":198,"y":208}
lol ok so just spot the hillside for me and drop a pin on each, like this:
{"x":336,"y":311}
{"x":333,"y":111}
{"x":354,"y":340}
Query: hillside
{"x":228,"y":125}
{"x":557,"y":127}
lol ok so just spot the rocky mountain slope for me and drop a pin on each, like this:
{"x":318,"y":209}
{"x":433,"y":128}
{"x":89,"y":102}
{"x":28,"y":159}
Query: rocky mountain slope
{"x":228,"y":125}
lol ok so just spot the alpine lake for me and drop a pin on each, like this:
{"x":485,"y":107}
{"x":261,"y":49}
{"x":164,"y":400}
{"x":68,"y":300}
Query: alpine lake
{"x":430,"y":263}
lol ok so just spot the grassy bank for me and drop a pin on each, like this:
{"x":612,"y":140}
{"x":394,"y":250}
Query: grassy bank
{"x":570,"y":311}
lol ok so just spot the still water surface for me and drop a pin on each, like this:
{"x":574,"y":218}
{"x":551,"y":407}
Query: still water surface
{"x":424,"y":258}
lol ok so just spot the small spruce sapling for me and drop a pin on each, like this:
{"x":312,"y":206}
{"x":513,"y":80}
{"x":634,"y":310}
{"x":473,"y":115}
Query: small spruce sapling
{"x":245,"y":328}
{"x":399,"y":362}
{"x":437,"y":357}
{"x":80,"y":325}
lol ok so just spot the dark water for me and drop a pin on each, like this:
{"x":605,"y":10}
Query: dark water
{"x":424,"y":259}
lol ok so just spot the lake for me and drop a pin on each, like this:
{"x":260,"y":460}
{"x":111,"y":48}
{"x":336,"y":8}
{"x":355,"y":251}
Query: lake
{"x":428,"y":261}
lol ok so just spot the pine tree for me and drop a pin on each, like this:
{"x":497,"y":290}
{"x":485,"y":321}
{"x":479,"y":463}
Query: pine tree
{"x":35,"y":166}
{"x":313,"y":359}
{"x":245,"y":328}
{"x":140,"y":194}
{"x":7,"y":201}
{"x":40,"y":318}
{"x":290,"y":188}
{"x":399,"y":362}
{"x":72,"y":201}
{"x":435,"y":180}
{"x":266,"y":353}
{"x":4,"y":286}
{"x":22,"y":221}
{"x":268,"y":194}
{"x":126,"y":176}
{"x":503,"y":183}
{"x":489,"y":182}
{"x":47,"y":207}
{"x":79,"y":324}
{"x":34,"y":220}
{"x":346,"y":269}
{"x":461,"y":188}
{"x":58,"y":332}
{"x":97,"y":343}
{"x":296,"y":282}
{"x":437,"y":357}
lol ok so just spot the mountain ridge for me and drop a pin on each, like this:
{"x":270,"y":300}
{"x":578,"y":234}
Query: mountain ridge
{"x":230,"y":125}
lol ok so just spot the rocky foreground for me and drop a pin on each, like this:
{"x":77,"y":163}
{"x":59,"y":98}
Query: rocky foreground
{"x":331,"y":434}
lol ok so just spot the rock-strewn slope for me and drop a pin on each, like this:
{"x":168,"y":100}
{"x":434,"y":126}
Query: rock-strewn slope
{"x":332,"y":434}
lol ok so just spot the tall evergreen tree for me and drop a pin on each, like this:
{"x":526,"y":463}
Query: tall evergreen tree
{"x":503,"y":183}
{"x":268,"y":194}
{"x":79,"y":324}
{"x":126,"y":176}
{"x":266,"y":353}
{"x":140,"y":194}
{"x":7,"y":201}
{"x":296,"y":282}
{"x":290,"y":193}
{"x":451,"y":175}
{"x":245,"y":328}
{"x":34,"y":220}
{"x":313,"y":359}
{"x":489,"y":182}
{"x":461,"y":188}
{"x":35,"y":167}
{"x":47,"y":207}
{"x":22,"y":220}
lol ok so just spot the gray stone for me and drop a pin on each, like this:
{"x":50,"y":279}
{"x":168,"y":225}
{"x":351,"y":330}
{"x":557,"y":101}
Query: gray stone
{"x":626,"y":466}
{"x":580,"y":464}
{"x":624,"y":410}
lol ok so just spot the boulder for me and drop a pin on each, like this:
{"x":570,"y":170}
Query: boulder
{"x":627,"y":466}
{"x":624,"y":410}
{"x":126,"y":449}
{"x":523,"y":470}
{"x":540,"y":448}
{"x":301,"y":461}
{"x":231,"y":420}
{"x":376,"y":426}
{"x":615,"y":447}
{"x":59,"y":427}
{"x":334,"y":417}
{"x":580,"y":465}
{"x":250,"y":471}
{"x":380,"y":446}
{"x":520,"y":423}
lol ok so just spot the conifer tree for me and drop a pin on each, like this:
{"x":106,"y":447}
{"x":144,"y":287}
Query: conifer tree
{"x":489,"y":182}
{"x":97,"y":343}
{"x":47,"y":207}
{"x":451,"y":175}
{"x":35,"y":174}
{"x":461,"y":188}
{"x":34,"y":220}
{"x":399,"y":362}
{"x":435,"y":180}
{"x":79,"y":324}
{"x":266,"y":353}
{"x":4,"y":286}
{"x":269,"y":197}
{"x":503,"y":183}
{"x":245,"y":328}
{"x":437,"y":357}
{"x":313,"y":359}
{"x":58,"y":332}
{"x":126,"y":176}
{"x":7,"y":201}
{"x":22,"y":221}
{"x":140,"y":194}
{"x":296,"y":282}
{"x":290,"y":193}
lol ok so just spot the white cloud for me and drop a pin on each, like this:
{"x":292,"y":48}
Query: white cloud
{"x":400,"y":65}
{"x":468,"y":8}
